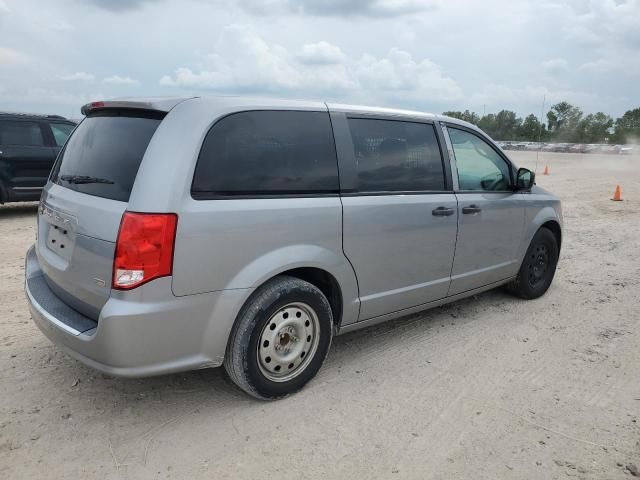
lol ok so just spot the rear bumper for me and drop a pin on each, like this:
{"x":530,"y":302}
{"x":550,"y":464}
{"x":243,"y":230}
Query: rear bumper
{"x":144,"y":332}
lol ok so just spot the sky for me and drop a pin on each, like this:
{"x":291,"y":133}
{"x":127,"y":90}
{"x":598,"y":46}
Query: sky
{"x":427,"y":55}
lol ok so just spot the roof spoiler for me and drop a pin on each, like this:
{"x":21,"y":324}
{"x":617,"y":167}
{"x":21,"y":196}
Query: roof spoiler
{"x":157,"y":104}
{"x":94,"y":106}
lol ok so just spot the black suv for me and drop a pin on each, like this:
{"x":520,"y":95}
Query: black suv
{"x":29,"y":145}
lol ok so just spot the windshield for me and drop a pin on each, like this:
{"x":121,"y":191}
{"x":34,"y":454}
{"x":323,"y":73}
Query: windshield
{"x":104,"y":152}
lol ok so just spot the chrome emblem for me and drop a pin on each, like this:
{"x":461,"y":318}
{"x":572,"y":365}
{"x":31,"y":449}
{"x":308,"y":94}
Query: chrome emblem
{"x":59,"y":217}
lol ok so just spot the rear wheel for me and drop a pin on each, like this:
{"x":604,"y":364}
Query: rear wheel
{"x":280,"y":339}
{"x":538,"y":267}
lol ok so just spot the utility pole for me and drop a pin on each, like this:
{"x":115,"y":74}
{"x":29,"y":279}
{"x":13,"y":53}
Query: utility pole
{"x":544,"y":100}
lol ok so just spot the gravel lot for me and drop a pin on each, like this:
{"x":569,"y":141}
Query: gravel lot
{"x":489,"y":387}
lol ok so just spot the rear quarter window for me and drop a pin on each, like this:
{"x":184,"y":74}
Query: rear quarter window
{"x":108,"y":146}
{"x":61,"y":132}
{"x":25,"y":134}
{"x":267,"y":153}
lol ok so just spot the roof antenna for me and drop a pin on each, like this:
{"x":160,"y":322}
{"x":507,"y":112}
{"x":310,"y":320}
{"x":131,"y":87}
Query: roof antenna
{"x":544,"y":100}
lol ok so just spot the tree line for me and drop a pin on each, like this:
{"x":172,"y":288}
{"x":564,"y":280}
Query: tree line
{"x":565,"y":123}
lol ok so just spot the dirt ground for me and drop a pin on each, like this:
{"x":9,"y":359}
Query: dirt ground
{"x":489,"y":387}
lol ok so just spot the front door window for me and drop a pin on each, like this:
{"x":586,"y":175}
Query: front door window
{"x":480,"y":168}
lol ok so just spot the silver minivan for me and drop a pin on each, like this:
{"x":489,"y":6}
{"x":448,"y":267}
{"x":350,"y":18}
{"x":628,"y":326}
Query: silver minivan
{"x":177,"y":234}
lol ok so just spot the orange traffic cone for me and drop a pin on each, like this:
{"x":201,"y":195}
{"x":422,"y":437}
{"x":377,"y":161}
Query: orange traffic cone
{"x":617,"y":196}
{"x":546,"y":170}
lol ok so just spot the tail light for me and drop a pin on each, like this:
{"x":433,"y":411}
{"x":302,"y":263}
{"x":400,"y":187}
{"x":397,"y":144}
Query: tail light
{"x":144,"y":248}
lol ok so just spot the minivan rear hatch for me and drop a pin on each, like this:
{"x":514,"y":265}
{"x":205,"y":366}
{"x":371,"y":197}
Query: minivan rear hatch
{"x":82,"y":205}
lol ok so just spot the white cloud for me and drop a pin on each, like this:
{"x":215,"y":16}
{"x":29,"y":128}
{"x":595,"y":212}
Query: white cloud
{"x":46,"y":95}
{"x":337,"y":8}
{"x":47,"y":100}
{"x":360,"y":51}
{"x":185,"y":77}
{"x":555,"y":66}
{"x":118,"y":80}
{"x":245,"y":62}
{"x":321,"y":53}
{"x":499,"y":96}
{"x":529,"y":98}
{"x":608,"y":22}
{"x":77,"y":77}
{"x":12,"y":58}
{"x":400,"y":75}
{"x":59,"y":26}
{"x":119,"y":5}
{"x":596,"y":66}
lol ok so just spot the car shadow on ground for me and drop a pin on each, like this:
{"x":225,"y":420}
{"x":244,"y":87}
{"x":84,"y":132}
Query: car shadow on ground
{"x":134,"y":413}
{"x":213,"y":385}
{"x":12,"y":210}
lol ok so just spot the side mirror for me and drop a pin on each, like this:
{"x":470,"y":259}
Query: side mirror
{"x":525,"y":179}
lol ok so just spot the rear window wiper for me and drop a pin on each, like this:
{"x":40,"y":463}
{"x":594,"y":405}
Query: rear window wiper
{"x":78,"y":179}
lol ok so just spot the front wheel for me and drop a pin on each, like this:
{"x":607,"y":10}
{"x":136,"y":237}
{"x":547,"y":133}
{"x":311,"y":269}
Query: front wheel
{"x":538,"y":267}
{"x":280,"y":339}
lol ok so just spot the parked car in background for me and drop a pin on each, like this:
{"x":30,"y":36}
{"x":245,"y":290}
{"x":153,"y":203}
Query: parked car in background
{"x":592,"y":148}
{"x":29,"y":145}
{"x":178,"y":234}
{"x":578,"y":148}
{"x":610,"y":149}
{"x":626,"y":150}
{"x":581,"y":148}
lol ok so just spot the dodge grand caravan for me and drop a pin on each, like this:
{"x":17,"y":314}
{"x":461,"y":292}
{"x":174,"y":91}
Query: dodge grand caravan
{"x":177,"y":234}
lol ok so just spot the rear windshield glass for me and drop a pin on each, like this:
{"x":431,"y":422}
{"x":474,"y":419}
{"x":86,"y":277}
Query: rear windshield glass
{"x":104,"y":152}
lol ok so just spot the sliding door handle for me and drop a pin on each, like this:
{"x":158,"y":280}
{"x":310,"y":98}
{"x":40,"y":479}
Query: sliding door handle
{"x":442,"y":212}
{"x":471,"y":209}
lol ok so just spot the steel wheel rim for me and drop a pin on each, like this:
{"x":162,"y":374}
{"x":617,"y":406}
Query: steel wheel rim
{"x":288,"y":342}
{"x":538,"y":265}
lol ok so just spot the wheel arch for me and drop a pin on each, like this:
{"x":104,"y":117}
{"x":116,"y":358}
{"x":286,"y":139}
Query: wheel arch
{"x":319,"y":277}
{"x":548,"y":217}
{"x":555,"y":228}
{"x":326,"y":283}
{"x":327,"y":270}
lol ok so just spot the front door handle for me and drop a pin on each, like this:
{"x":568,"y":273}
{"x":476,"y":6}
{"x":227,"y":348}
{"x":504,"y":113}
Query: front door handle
{"x":442,"y":212}
{"x":471,"y":209}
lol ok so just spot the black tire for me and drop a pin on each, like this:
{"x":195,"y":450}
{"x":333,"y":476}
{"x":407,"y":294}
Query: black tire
{"x":244,"y":360}
{"x":538,"y":267}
